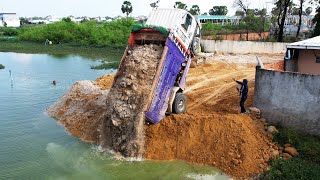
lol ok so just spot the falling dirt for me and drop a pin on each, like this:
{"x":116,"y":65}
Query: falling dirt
{"x":212,"y":132}
{"x":123,"y":128}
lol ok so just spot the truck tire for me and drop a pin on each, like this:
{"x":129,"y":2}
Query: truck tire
{"x":179,"y":104}
{"x":196,"y":48}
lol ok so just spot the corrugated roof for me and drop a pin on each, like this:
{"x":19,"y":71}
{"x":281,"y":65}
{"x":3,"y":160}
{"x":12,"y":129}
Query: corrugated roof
{"x":312,"y":43}
{"x":217,"y":17}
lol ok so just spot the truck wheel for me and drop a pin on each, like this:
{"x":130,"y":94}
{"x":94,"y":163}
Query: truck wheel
{"x":196,"y":48}
{"x":179,"y":103}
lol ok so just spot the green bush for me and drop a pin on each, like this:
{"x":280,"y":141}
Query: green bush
{"x":8,"y":31}
{"x":89,"y":33}
{"x":2,"y":66}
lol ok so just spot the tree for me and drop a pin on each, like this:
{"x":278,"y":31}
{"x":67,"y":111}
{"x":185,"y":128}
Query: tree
{"x":180,"y":5}
{"x":316,"y":20}
{"x":205,"y":14}
{"x":300,"y":16}
{"x":239,"y":13}
{"x":218,"y":10}
{"x":241,"y":4}
{"x":194,"y":10}
{"x":126,"y":8}
{"x":66,"y":19}
{"x":280,"y":11}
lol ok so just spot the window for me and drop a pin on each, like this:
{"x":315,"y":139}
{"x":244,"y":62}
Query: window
{"x":187,"y":23}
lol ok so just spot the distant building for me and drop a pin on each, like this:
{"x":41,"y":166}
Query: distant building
{"x":52,"y":19}
{"x":9,"y":20}
{"x":292,"y":22}
{"x":220,"y":20}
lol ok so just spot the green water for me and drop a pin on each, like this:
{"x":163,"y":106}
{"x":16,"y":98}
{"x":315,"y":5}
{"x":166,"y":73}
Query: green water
{"x":34,"y":146}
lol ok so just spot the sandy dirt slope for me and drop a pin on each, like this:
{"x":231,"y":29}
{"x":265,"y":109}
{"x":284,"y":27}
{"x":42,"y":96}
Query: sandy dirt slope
{"x":212,"y":131}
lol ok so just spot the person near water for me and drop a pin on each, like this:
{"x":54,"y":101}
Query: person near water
{"x":243,"y":93}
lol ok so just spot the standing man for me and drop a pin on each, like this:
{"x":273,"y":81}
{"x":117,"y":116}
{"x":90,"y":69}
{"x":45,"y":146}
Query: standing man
{"x":243,"y":93}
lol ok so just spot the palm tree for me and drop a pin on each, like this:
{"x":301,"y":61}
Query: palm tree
{"x":126,"y":8}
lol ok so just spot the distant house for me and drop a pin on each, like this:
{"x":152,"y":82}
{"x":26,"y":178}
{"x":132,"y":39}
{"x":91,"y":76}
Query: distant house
{"x":52,"y":19}
{"x":304,"y":56}
{"x":9,"y":20}
{"x":221,"y":20}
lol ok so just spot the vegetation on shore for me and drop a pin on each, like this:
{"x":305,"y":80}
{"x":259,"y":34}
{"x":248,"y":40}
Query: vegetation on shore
{"x":113,"y":34}
{"x":305,"y":166}
{"x":2,"y":66}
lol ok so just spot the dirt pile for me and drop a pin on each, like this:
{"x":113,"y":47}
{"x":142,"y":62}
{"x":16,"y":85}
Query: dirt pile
{"x":123,"y":128}
{"x":82,"y":109}
{"x":212,"y":131}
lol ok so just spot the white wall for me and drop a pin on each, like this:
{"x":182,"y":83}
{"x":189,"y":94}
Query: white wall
{"x":242,"y":47}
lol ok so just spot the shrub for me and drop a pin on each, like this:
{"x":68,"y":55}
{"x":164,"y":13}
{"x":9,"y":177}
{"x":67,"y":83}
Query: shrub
{"x":88,"y":33}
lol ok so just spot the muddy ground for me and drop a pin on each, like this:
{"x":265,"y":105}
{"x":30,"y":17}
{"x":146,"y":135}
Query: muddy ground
{"x":211,"y":132}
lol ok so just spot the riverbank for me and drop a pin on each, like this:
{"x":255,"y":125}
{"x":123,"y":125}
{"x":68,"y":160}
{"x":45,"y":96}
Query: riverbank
{"x":60,"y":49}
{"x":109,"y":57}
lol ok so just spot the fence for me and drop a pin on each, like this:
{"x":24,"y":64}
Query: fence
{"x":291,"y":99}
{"x":243,"y":47}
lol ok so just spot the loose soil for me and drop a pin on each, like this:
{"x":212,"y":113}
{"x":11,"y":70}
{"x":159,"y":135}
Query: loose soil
{"x":211,"y":132}
{"x":123,"y":128}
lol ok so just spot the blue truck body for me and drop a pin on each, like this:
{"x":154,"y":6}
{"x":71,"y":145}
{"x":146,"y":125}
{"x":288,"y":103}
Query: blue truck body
{"x":170,"y":69}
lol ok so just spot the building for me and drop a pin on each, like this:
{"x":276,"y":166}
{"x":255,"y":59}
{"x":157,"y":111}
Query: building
{"x":220,"y":20}
{"x":9,"y":20}
{"x":304,"y":56}
{"x":292,"y":22}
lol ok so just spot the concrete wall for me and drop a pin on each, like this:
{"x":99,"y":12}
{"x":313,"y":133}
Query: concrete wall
{"x":307,"y":61}
{"x":292,"y":99}
{"x":242,"y":47}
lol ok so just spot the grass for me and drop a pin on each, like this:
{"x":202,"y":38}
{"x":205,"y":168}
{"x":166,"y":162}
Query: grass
{"x":2,"y":66}
{"x":304,"y":166}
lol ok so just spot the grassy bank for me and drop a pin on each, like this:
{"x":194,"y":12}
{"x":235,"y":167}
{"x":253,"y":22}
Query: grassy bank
{"x":305,"y":166}
{"x":59,"y":49}
{"x":106,"y":54}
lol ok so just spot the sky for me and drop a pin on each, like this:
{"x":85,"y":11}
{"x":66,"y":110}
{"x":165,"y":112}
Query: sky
{"x":62,"y":8}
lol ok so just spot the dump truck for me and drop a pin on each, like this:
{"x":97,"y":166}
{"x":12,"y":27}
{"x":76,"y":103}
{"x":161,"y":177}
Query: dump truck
{"x":179,"y":33}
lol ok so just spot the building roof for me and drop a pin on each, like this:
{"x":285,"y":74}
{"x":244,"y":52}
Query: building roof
{"x":217,"y":17}
{"x":312,"y":43}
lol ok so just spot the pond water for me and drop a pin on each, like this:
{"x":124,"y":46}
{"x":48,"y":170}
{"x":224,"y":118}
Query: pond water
{"x":35,"y":146}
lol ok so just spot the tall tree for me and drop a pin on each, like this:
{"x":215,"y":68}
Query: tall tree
{"x":218,"y":10}
{"x":300,"y":16}
{"x":180,"y":5}
{"x":195,"y":10}
{"x":280,"y":11}
{"x":316,"y":20}
{"x":126,"y":8}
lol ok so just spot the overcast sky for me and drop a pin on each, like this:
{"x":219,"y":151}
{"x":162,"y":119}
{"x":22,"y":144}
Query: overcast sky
{"x":106,"y":7}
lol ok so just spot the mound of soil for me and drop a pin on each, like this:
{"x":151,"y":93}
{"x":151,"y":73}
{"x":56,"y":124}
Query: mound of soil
{"x":82,"y":109}
{"x":123,"y":128}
